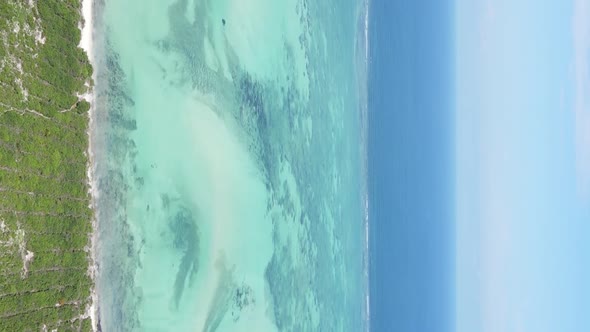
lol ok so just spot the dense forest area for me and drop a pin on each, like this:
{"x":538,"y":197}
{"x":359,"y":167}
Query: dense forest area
{"x":45,"y":219}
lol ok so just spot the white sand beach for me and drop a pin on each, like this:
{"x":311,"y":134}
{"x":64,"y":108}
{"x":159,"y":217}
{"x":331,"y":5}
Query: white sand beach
{"x":86,"y":44}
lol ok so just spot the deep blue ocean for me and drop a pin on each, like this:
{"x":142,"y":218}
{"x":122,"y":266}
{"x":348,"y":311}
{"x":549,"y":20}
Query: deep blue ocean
{"x":410,"y":163}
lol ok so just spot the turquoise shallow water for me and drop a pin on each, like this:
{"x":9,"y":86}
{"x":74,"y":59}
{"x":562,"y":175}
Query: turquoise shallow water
{"x":229,"y":157}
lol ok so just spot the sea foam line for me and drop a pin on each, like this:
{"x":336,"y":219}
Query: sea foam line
{"x":364,"y":16}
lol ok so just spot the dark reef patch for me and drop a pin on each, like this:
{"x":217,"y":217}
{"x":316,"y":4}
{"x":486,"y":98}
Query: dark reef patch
{"x":251,"y":96}
{"x":183,"y":226}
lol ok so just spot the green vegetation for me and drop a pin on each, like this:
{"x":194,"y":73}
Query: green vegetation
{"x":44,"y":201}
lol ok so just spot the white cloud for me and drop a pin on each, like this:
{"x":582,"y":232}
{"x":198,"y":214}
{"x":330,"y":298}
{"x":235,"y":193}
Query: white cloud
{"x":581,"y":34}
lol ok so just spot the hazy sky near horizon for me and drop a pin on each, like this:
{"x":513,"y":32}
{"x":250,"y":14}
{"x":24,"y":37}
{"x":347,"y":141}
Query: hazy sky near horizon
{"x":522,"y":165}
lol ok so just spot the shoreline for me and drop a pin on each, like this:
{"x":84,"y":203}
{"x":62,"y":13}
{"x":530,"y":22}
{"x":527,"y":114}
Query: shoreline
{"x":86,"y":43}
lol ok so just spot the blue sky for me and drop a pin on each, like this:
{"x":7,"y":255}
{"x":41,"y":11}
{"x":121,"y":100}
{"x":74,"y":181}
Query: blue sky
{"x":522,"y":165}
